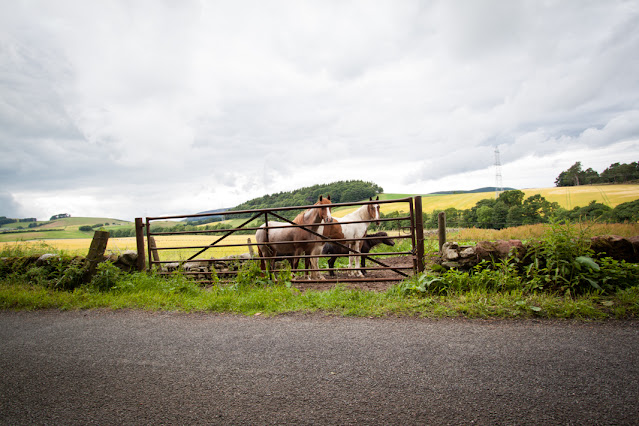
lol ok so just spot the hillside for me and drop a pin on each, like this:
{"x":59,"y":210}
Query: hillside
{"x":62,"y":228}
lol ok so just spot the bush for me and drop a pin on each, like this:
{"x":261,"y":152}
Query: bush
{"x":562,"y":262}
{"x":106,"y":277}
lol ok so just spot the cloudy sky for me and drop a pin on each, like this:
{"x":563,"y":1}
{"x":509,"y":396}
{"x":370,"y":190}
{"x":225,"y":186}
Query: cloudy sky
{"x":129,"y":109}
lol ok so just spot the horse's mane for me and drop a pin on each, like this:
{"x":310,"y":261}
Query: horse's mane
{"x":300,"y":218}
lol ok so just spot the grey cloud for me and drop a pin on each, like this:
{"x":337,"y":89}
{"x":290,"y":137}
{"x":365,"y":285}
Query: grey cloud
{"x":248,"y":98}
{"x":9,"y":207}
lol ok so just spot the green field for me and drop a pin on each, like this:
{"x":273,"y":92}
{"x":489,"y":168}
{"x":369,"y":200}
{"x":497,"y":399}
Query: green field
{"x":61,"y":229}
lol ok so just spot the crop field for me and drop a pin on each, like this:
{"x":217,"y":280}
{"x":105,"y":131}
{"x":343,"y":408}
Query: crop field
{"x":80,"y":246}
{"x":567,"y":197}
{"x":55,"y":232}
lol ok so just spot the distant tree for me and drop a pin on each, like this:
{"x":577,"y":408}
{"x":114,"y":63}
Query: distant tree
{"x":575,"y":176}
{"x":511,"y":198}
{"x":500,"y":215}
{"x":485,"y":217}
{"x":618,"y":173}
{"x":515,"y":216}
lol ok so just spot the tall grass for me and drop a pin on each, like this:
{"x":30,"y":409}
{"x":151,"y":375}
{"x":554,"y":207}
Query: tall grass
{"x":538,"y":231}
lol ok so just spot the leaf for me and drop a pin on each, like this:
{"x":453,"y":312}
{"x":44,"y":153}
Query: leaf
{"x":607,"y":303}
{"x":535,"y":308}
{"x":438,"y":268}
{"x":593,"y":283}
{"x":587,"y":261}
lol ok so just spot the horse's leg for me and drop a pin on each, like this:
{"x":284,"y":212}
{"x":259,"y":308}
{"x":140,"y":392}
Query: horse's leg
{"x":296,"y":260}
{"x":353,"y":260}
{"x":331,"y":265}
{"x":317,"y":249}
{"x":362,"y":263}
{"x":262,"y":261}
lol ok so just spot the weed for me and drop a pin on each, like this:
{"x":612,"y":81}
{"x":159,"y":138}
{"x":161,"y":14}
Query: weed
{"x":106,"y":277}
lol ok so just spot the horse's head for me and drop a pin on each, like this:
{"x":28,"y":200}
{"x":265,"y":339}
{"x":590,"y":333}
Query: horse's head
{"x":373,"y":210}
{"x":325,"y":212}
{"x":332,"y":229}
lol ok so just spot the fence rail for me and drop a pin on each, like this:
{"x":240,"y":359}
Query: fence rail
{"x":166,"y":255}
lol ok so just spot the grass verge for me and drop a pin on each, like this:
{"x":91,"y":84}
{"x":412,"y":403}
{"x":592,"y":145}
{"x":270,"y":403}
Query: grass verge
{"x":176,"y":295}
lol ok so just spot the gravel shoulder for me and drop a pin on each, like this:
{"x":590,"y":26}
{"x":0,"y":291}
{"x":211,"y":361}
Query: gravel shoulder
{"x":133,"y":367}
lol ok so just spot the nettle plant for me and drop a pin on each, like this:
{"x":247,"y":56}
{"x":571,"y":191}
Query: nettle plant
{"x":563,"y":262}
{"x":560,"y":262}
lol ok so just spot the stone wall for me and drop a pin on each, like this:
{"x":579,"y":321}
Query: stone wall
{"x":465,"y":257}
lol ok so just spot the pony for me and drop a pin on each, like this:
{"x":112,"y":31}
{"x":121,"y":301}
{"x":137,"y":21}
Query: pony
{"x":331,"y":230}
{"x":275,"y":238}
{"x":355,"y":231}
{"x":375,"y":239}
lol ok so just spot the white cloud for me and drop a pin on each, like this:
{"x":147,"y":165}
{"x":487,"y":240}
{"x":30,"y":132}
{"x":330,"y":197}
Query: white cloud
{"x":161,"y":108}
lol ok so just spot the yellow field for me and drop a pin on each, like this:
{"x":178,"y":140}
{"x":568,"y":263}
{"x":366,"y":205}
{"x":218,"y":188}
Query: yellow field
{"x":80,"y":246}
{"x":567,"y":197}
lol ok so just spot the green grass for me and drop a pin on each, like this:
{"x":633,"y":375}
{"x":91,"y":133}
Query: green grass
{"x":340,"y":301}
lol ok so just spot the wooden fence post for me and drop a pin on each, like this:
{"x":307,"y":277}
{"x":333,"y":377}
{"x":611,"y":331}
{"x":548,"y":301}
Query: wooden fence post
{"x":154,"y":251}
{"x":419,"y":234}
{"x":96,"y":251}
{"x":441,"y":228}
{"x":250,"y":247}
{"x":139,"y":238}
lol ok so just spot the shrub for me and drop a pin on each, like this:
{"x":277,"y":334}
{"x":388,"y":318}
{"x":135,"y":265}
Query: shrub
{"x":106,"y":277}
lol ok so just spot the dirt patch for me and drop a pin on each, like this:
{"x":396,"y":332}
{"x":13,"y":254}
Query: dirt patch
{"x":369,"y":282}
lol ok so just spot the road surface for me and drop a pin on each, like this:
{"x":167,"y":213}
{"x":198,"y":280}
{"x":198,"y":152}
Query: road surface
{"x":129,"y":367}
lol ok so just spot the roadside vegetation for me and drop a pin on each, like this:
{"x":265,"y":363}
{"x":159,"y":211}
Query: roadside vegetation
{"x":561,"y":278}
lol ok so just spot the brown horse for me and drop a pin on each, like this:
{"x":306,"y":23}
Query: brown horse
{"x":375,"y":239}
{"x":330,"y":229}
{"x":289,"y":239}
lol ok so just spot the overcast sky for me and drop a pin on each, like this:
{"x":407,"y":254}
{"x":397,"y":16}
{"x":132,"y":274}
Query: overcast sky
{"x":129,"y":109}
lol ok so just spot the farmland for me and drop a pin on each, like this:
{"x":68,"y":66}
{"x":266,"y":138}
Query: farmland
{"x":62,"y":232}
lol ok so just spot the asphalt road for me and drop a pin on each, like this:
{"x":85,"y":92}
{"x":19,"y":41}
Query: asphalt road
{"x":100,"y":367}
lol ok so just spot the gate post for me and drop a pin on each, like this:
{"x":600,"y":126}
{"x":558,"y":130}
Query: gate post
{"x":139,"y":239}
{"x":419,"y":233}
{"x":441,"y":228}
{"x":96,"y":251}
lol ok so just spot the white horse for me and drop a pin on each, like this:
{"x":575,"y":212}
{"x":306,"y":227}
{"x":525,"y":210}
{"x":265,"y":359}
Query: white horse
{"x":356,"y":231}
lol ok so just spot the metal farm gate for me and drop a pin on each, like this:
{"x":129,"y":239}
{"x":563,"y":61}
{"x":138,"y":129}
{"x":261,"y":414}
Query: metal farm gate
{"x":215,"y":252}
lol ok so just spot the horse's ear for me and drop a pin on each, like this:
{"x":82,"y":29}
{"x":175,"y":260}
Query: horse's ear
{"x":370,"y":198}
{"x":328,"y":197}
{"x":377,"y":199}
{"x":320,"y":198}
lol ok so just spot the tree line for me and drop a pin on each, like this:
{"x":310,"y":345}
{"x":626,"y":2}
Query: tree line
{"x":340,"y":192}
{"x":615,"y":173}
